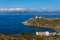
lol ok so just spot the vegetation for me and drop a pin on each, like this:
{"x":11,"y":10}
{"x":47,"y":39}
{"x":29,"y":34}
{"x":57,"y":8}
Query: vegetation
{"x":27,"y":36}
{"x":45,"y":22}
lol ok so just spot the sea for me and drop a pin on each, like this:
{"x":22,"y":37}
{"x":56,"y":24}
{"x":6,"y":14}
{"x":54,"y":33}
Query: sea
{"x":12,"y":24}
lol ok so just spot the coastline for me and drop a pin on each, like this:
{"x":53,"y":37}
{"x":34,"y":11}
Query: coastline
{"x":47,"y":22}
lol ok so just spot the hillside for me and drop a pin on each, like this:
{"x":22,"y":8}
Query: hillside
{"x":44,"y":22}
{"x":27,"y":36}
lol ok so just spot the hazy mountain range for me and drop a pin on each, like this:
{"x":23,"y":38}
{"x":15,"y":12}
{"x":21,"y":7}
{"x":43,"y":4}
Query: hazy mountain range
{"x":27,"y":11}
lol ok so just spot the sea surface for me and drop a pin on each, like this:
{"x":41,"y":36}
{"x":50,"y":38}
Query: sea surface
{"x":13,"y":24}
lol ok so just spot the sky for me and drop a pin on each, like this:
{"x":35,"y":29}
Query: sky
{"x":39,"y":4}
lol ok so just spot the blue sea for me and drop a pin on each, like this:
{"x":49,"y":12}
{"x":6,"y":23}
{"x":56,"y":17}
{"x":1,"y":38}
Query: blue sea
{"x":13,"y":24}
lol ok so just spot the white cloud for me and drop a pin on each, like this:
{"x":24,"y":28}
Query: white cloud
{"x":1,"y":9}
{"x":18,"y":9}
{"x":12,"y":9}
{"x":43,"y":8}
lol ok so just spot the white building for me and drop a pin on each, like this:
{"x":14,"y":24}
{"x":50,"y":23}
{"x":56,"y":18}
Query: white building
{"x":46,"y":33}
{"x":38,"y":17}
{"x":53,"y":33}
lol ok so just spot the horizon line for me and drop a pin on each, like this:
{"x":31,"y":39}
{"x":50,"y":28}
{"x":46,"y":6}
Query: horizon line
{"x":22,"y":9}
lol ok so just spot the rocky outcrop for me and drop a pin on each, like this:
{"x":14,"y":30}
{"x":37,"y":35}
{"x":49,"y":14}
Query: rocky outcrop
{"x":44,"y":22}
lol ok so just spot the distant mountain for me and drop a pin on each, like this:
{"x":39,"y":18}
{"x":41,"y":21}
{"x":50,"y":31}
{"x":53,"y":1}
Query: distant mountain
{"x":29,"y":12}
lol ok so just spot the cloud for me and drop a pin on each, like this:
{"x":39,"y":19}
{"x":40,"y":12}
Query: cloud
{"x":43,"y":8}
{"x":1,"y":9}
{"x":12,"y":9}
{"x":20,"y":9}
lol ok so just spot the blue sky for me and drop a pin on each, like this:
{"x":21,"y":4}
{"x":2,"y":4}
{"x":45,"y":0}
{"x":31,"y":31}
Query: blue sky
{"x":48,"y":4}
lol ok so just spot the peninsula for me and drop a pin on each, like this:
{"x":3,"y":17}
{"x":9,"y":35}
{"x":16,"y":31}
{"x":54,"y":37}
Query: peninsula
{"x":39,"y":21}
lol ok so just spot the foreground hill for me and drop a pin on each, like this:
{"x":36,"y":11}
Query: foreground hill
{"x":44,"y":22}
{"x":27,"y":36}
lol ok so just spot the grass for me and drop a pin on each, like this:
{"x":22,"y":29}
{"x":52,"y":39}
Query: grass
{"x":27,"y":36}
{"x":45,"y":22}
